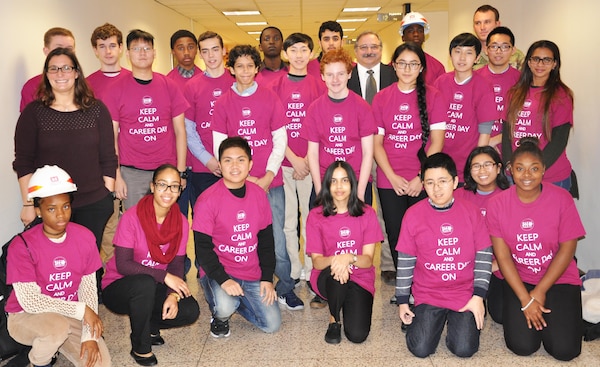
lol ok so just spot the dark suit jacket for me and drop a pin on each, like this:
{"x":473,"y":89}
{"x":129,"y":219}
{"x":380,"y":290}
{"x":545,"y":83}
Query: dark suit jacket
{"x":387,"y":77}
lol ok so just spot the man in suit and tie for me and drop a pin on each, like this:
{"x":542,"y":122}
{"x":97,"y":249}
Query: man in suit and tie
{"x":368,"y":77}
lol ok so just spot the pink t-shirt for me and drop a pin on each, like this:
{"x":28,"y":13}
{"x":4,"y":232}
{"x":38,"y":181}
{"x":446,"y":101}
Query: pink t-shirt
{"x":314,"y":68}
{"x":234,"y":224}
{"x":529,"y":123}
{"x":129,"y":234}
{"x":181,"y":81}
{"x":435,"y":69}
{"x":57,"y":267}
{"x":533,"y":231}
{"x":145,"y":115}
{"x":202,"y":94}
{"x":467,"y":106}
{"x":398,"y":119}
{"x":265,"y":77}
{"x":445,"y":244}
{"x":102,"y":85}
{"x":296,"y":97}
{"x":28,"y":92}
{"x":342,"y":234}
{"x":338,"y":128}
{"x":254,"y":118}
{"x":501,"y":83}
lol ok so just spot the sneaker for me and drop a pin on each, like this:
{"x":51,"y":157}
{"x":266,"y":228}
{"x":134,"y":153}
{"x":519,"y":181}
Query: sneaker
{"x":393,"y":300}
{"x":317,"y":302}
{"x":334,"y":333}
{"x":297,"y":283}
{"x":219,"y":329}
{"x":291,"y":301}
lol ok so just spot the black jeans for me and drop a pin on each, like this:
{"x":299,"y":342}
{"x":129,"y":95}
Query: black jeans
{"x":355,"y":302}
{"x":494,"y":299}
{"x":141,"y":298}
{"x":393,"y":208}
{"x":562,"y":336}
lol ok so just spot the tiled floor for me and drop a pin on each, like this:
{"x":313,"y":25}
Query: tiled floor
{"x":300,"y":342}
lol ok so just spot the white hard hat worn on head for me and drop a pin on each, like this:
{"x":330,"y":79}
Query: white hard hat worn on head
{"x":414,"y":18}
{"x":49,"y":181}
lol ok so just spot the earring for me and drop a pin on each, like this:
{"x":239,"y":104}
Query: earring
{"x":39,"y":216}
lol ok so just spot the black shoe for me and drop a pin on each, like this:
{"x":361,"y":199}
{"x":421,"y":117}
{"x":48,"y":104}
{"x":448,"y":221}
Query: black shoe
{"x":334,"y":333}
{"x":157,"y":339}
{"x":389,"y":277}
{"x":144,"y":361}
{"x":317,"y":302}
{"x":403,"y":327}
{"x":219,"y":329}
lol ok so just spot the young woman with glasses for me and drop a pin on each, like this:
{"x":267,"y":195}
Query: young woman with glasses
{"x":144,"y":279}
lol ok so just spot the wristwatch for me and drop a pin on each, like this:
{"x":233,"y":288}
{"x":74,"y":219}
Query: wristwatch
{"x":183,"y":175}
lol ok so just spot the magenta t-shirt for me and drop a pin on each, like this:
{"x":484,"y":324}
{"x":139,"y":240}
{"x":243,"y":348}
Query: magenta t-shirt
{"x":435,"y":69}
{"x":529,"y":123}
{"x":296,"y":97}
{"x":29,"y":90}
{"x":254,"y":118}
{"x":342,"y":234}
{"x":265,"y":77}
{"x":398,"y":119}
{"x":102,"y":85}
{"x":501,"y":83}
{"x":533,"y":231}
{"x":181,"y":81}
{"x":129,"y":234}
{"x":234,"y":223}
{"x":57,"y":268}
{"x":445,"y":244}
{"x":338,"y":127}
{"x":145,"y":115}
{"x":467,"y":106}
{"x":202,"y":94}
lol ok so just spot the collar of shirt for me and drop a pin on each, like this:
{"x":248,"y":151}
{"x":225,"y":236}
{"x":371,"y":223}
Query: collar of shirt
{"x":362,"y":77}
{"x":186,"y":74}
{"x":248,"y":92}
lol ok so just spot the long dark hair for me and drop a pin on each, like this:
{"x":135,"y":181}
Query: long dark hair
{"x":518,"y":93}
{"x":501,"y":180}
{"x":324,"y":198}
{"x":84,"y":97}
{"x":421,"y":92}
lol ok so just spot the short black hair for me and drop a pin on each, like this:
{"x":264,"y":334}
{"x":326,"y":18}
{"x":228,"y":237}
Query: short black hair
{"x":501,"y":30}
{"x":466,"y":40}
{"x":528,"y":144}
{"x":270,"y":27}
{"x":331,"y":25}
{"x":235,"y":142}
{"x":182,"y":33}
{"x":294,"y":38}
{"x":138,"y":34}
{"x":243,"y":50}
{"x":439,"y":160}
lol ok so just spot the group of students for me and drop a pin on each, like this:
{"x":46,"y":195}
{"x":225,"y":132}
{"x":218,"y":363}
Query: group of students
{"x":261,"y":147}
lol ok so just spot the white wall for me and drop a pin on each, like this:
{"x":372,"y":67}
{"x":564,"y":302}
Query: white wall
{"x":572,"y":27}
{"x":23,"y":24}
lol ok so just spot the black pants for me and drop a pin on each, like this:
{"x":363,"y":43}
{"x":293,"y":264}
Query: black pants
{"x":393,"y":208}
{"x":561,"y":338}
{"x":494,"y":298}
{"x":141,"y":298}
{"x":354,"y":301}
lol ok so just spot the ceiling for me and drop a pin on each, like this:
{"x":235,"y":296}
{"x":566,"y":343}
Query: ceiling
{"x":292,"y":15}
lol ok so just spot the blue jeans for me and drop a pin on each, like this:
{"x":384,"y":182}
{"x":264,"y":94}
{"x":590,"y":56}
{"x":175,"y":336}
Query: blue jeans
{"x":423,"y":335}
{"x":283,"y":266}
{"x":250,"y":305}
{"x":565,"y":184}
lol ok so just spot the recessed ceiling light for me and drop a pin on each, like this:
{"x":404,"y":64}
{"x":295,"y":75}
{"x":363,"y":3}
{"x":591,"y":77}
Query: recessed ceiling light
{"x":251,"y":23}
{"x":349,"y":29}
{"x":351,"y":20}
{"x":242,"y":12}
{"x":354,"y":10}
{"x":254,"y":32}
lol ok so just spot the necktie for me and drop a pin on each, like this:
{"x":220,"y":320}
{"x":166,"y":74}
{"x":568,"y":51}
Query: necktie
{"x":371,"y":87}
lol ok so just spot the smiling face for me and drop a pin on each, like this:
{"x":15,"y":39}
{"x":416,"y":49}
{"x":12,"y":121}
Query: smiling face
{"x":368,"y":50}
{"x":55,"y":212}
{"x":244,"y":69}
{"x":336,"y":78}
{"x":299,"y":55}
{"x":539,"y":69}
{"x":527,"y":172}
{"x":212,"y":53}
{"x":499,"y":58}
{"x":62,"y":81}
{"x":185,"y":50}
{"x":164,"y":197}
{"x":484,"y":172}
{"x":407,"y":76}
{"x":340,"y":187}
{"x":439,"y":185}
{"x":463,"y":58}
{"x":235,"y":167}
{"x":108,"y":51}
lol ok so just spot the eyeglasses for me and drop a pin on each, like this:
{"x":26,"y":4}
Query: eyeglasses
{"x":503,"y":47}
{"x":486,"y":165}
{"x":545,"y":60}
{"x":161,"y":186}
{"x":411,"y":65}
{"x":140,"y":49}
{"x":369,"y":47}
{"x":441,"y":183}
{"x":66,"y":69}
